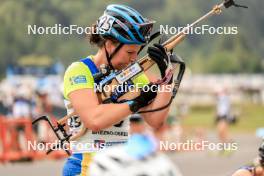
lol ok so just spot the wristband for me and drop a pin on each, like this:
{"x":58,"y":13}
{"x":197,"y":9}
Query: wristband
{"x":133,"y":106}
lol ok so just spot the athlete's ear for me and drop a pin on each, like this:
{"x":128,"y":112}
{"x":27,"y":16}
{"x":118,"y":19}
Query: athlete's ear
{"x":110,"y":46}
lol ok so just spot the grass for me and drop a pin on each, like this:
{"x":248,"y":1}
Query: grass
{"x":251,"y":117}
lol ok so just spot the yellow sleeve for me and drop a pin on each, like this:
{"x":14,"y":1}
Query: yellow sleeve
{"x":77,"y":76}
{"x":140,"y":80}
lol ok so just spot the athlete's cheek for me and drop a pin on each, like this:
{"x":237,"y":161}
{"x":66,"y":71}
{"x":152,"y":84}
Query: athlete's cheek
{"x":133,"y":58}
{"x":126,"y":59}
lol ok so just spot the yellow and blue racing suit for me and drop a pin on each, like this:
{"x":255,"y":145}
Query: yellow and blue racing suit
{"x":79,"y":75}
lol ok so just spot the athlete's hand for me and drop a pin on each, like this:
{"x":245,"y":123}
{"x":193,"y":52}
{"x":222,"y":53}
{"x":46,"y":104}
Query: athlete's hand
{"x":147,"y":94}
{"x":158,"y":54}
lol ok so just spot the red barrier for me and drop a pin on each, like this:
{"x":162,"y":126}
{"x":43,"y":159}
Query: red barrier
{"x":2,"y":139}
{"x":11,"y":149}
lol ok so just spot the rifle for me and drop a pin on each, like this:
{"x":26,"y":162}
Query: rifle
{"x":145,"y":63}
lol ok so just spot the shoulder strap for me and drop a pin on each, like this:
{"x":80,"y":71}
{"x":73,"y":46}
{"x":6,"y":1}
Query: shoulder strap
{"x":90,"y":64}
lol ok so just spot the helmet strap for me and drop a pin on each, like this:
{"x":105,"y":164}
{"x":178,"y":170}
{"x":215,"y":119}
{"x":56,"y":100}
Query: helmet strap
{"x":109,"y":57}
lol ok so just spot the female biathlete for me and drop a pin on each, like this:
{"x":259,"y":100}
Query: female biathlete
{"x":121,"y":32}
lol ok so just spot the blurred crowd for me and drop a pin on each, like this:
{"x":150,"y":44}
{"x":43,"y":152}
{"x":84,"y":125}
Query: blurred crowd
{"x":30,"y":97}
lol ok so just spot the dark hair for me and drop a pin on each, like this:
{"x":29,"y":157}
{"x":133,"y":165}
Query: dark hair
{"x":96,"y":39}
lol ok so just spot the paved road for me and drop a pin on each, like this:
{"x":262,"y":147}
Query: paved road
{"x":212,"y":164}
{"x":190,"y":163}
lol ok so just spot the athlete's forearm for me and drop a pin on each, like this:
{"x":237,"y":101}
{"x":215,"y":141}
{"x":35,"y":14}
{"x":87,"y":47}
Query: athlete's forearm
{"x":157,"y":118}
{"x":105,"y":115}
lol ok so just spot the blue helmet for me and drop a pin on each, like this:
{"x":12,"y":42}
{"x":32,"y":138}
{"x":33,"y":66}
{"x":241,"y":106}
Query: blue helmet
{"x":124,"y":24}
